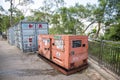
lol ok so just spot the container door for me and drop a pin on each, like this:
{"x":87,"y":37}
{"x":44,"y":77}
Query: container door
{"x":58,"y":51}
{"x":28,"y":37}
{"x":41,"y":28}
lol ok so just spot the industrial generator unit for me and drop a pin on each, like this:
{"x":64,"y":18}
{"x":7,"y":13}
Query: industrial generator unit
{"x":66,"y":53}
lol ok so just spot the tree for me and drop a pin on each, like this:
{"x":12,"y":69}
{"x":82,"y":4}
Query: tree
{"x":71,"y":20}
{"x":113,"y":33}
{"x":112,"y":20}
{"x":39,"y":16}
{"x":4,"y":22}
{"x":96,"y":16}
{"x":17,"y":15}
{"x":5,"y":19}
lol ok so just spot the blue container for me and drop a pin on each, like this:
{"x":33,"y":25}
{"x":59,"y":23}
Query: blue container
{"x":26,"y":34}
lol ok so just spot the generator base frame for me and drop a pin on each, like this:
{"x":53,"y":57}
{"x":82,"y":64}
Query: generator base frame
{"x":61,"y":69}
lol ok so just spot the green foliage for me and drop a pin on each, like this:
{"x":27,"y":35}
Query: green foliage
{"x":111,"y":10}
{"x":5,"y":19}
{"x":55,"y":19}
{"x":4,"y":22}
{"x":39,"y":16}
{"x":113,"y":33}
{"x":70,"y":20}
{"x":113,"y":20}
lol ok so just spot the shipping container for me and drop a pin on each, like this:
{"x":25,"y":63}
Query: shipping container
{"x":26,"y":35}
{"x":67,"y":51}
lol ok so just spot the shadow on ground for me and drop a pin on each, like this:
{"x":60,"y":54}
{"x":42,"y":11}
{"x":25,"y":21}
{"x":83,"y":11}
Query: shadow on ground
{"x":30,"y":72}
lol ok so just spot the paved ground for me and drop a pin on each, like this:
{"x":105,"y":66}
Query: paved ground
{"x":15,"y":65}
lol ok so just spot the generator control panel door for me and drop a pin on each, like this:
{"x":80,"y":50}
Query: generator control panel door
{"x":46,"y":42}
{"x":45,"y":47}
{"x":58,"y":51}
{"x":78,"y":52}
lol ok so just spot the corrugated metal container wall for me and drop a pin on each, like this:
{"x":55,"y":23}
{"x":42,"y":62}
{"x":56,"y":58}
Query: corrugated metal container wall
{"x":16,"y":35}
{"x":11,"y":34}
{"x":27,"y":33}
{"x":28,"y":38}
{"x":8,"y":35}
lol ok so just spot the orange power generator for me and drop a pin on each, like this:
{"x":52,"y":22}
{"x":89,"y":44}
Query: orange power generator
{"x":67,"y":51}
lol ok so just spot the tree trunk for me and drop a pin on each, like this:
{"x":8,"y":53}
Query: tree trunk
{"x":99,"y":27}
{"x":89,"y":26}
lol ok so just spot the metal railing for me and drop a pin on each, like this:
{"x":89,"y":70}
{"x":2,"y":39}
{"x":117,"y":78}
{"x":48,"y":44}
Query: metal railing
{"x":107,"y":53}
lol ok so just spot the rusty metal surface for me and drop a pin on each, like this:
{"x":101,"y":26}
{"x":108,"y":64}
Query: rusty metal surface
{"x":68,"y":51}
{"x":44,"y":45}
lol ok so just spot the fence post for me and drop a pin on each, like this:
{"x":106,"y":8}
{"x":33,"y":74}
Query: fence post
{"x":100,"y":53}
